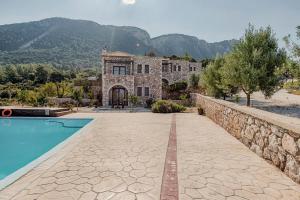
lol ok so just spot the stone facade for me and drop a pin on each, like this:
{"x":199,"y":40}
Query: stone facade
{"x":271,"y":139}
{"x":134,"y":74}
{"x":186,"y":70}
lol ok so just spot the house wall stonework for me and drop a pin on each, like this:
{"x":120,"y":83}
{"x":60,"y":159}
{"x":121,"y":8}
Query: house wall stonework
{"x":110,"y":80}
{"x":153,"y":80}
{"x":270,"y":138}
{"x":187,"y":69}
{"x":133,"y":79}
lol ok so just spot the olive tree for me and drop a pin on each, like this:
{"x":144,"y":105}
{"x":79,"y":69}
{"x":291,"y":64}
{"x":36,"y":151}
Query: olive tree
{"x":57,"y":78}
{"x":293,"y":69}
{"x":41,"y":75}
{"x":213,"y":81}
{"x":77,"y":96}
{"x":253,"y":63}
{"x":194,"y":81}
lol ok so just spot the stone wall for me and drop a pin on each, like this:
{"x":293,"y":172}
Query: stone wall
{"x":269,"y":137}
{"x":187,"y":69}
{"x":61,"y":101}
{"x":110,"y":80}
{"x":153,"y":80}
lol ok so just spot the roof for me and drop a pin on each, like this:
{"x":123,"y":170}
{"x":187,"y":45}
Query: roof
{"x":117,"y":54}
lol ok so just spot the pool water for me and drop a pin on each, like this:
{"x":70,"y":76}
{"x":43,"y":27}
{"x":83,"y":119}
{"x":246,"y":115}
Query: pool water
{"x":22,"y":140}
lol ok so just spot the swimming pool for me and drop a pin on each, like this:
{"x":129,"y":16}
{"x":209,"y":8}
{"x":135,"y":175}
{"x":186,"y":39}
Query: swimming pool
{"x":23,"y":140}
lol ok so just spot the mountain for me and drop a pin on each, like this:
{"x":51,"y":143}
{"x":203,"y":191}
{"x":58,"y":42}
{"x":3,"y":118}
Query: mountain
{"x":62,"y":41}
{"x":178,"y":44}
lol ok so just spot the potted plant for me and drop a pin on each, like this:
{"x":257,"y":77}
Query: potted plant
{"x":201,"y":111}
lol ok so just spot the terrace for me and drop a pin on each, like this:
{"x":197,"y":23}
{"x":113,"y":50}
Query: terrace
{"x":171,"y":156}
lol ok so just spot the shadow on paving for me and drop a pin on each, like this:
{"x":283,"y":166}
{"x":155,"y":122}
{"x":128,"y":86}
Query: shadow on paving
{"x":289,"y":110}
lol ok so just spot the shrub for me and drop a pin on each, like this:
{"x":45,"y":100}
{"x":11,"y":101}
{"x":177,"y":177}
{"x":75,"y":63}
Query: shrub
{"x":6,"y":94}
{"x":183,"y":96}
{"x":133,"y":100}
{"x":41,"y":99}
{"x":292,"y":85}
{"x":194,"y":80}
{"x":163,"y":106}
{"x":149,"y":102}
{"x":68,"y":105}
{"x":201,"y":111}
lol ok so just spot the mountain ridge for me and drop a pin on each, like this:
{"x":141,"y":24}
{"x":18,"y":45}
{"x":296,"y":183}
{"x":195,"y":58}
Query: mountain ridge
{"x":74,"y":42}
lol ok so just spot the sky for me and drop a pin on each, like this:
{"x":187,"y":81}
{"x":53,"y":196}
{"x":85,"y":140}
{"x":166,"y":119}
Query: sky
{"x":212,"y":20}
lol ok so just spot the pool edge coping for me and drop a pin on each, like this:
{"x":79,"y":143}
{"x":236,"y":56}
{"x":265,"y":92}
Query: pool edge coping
{"x":17,"y":175}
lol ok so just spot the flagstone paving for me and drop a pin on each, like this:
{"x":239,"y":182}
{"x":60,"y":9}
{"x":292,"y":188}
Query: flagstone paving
{"x":214,"y":165}
{"x":122,"y":156}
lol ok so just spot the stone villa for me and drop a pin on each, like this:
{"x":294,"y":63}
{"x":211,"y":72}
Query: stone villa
{"x":124,"y":74}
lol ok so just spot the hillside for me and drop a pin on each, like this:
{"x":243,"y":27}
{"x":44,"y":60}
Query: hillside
{"x":178,"y":44}
{"x":69,"y":42}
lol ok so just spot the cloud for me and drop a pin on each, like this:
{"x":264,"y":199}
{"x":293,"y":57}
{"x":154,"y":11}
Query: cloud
{"x":129,"y":2}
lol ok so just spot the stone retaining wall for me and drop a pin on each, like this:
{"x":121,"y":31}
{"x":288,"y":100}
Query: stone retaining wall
{"x":274,"y":140}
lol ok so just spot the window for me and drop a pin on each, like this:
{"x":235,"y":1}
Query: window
{"x":191,"y":69}
{"x":119,"y":70}
{"x":165,"y":68}
{"x":147,"y":93}
{"x":179,"y":68}
{"x":194,"y":68}
{"x":139,"y":91}
{"x":174,"y":68}
{"x":139,"y":69}
{"x":147,"y":69}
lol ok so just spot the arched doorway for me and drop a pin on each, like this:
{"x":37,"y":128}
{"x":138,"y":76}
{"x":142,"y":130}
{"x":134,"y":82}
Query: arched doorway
{"x":165,"y":82}
{"x":118,"y":96}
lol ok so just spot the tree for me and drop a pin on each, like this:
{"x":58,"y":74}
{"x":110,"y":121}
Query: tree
{"x":293,"y":69}
{"x":22,"y":97}
{"x":253,"y":62}
{"x":205,"y":62}
{"x":32,"y":98}
{"x":48,"y":89}
{"x":187,"y":57}
{"x":133,"y":100}
{"x":211,"y":79}
{"x":41,"y":75}
{"x":77,"y":96}
{"x":57,"y":78}
{"x":2,"y":76}
{"x":194,"y":81}
{"x":292,"y":45}
{"x":11,"y":74}
{"x":41,"y":99}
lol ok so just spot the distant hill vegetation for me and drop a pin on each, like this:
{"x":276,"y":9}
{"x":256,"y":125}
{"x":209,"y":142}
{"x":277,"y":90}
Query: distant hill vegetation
{"x":67,"y":42}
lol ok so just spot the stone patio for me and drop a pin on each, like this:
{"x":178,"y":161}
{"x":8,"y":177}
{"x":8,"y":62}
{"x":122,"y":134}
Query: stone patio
{"x":122,"y":156}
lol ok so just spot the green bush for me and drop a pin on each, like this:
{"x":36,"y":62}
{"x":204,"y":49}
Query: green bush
{"x":149,"y":103}
{"x":292,"y":85}
{"x":163,"y":106}
{"x":183,"y":96}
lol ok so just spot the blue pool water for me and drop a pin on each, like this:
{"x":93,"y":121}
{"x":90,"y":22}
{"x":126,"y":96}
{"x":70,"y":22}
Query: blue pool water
{"x":23,"y":140}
